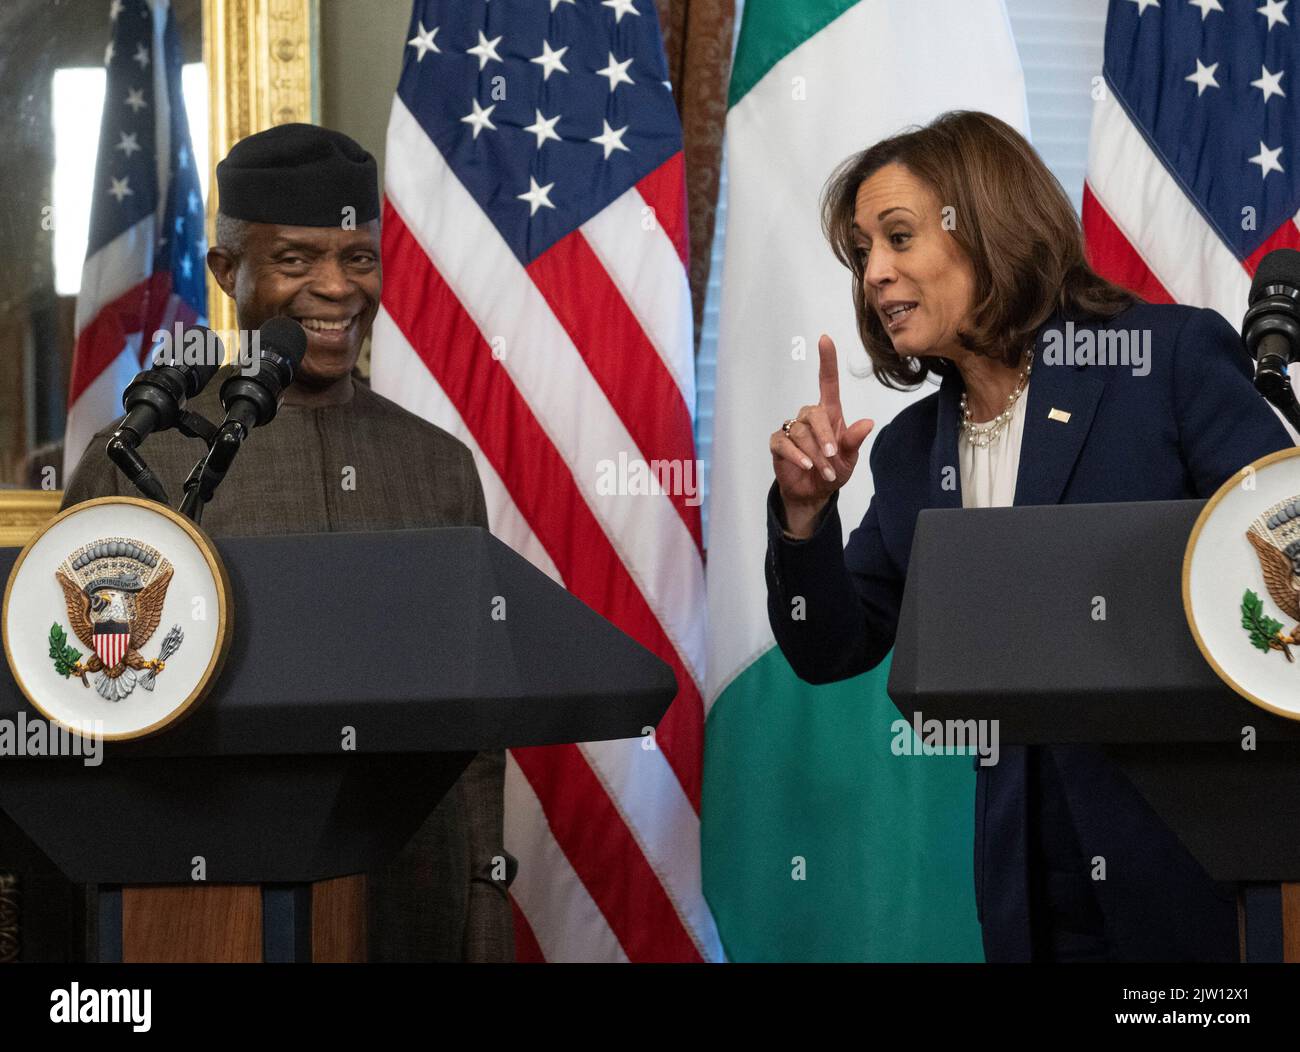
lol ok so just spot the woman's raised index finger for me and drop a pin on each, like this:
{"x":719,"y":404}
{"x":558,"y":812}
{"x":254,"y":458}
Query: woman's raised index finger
{"x":828,"y":375}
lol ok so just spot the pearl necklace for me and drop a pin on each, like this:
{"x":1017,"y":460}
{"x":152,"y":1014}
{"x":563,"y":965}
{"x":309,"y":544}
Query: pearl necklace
{"x":987,"y":433}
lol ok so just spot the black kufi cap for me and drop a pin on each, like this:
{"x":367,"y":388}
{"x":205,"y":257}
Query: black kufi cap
{"x":298,"y":175}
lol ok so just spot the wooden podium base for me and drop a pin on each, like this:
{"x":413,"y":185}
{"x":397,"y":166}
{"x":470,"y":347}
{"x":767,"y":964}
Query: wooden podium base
{"x":324,"y":922}
{"x":1268,"y":923}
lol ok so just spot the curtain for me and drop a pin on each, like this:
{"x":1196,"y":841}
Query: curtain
{"x":697,"y":37}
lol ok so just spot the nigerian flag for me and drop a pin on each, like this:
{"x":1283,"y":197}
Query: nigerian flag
{"x":819,"y":843}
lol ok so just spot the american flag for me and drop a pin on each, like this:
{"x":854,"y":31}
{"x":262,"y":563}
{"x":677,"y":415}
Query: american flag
{"x":144,"y":266}
{"x":536,"y":305}
{"x":1193,"y":171}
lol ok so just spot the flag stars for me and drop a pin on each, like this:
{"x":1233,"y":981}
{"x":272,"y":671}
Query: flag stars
{"x":183,"y":158}
{"x":550,"y":60}
{"x":187,"y":268}
{"x":423,"y":42}
{"x":108,"y":54}
{"x":480,"y":118}
{"x":544,"y":128}
{"x":1144,"y":4}
{"x":193,"y":201}
{"x":121,"y":189}
{"x":1269,"y":83}
{"x":610,"y":139}
{"x":557,"y":3}
{"x":128,"y":145}
{"x":1267,"y":160}
{"x":1203,"y":77}
{"x":616,"y":72}
{"x":141,"y":55}
{"x":620,"y":8}
{"x":486,"y":50}
{"x":135,"y":99}
{"x":114,"y":10}
{"x":537,"y":196}
{"x":1274,"y":11}
{"x":1206,"y":7}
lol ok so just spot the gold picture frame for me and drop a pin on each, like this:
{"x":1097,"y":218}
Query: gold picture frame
{"x":261,"y":59}
{"x":24,"y":513}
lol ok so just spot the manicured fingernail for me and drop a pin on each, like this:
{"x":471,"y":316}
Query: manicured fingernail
{"x":830,"y":449}
{"x":829,"y":474}
{"x":807,"y":463}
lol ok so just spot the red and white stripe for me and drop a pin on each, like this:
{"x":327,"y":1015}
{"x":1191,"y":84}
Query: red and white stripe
{"x":111,"y":647}
{"x":1143,"y":232}
{"x":545,"y":371}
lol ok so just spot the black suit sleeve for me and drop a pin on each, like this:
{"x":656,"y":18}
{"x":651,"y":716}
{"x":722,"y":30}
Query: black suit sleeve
{"x":834,"y":611}
{"x":1223,"y":423}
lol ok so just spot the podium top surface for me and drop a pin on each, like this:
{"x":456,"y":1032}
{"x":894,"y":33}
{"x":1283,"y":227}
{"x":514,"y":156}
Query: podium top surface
{"x":403,"y":641}
{"x":1065,"y":623}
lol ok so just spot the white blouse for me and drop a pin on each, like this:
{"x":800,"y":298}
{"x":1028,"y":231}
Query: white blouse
{"x":988,"y":473}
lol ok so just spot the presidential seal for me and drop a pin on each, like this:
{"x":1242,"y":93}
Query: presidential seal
{"x":115,"y":589}
{"x":86,"y":604}
{"x":1275,"y":536}
{"x":1241,"y":582}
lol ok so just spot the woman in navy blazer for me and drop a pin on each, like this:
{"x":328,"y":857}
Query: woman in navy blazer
{"x":967,"y":263}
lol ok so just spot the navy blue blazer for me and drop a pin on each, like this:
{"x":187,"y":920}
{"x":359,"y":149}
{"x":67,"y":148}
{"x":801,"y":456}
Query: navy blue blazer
{"x":1176,"y":432}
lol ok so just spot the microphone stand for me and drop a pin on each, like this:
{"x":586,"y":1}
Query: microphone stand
{"x":122,"y":450}
{"x":211,"y":469}
{"x":249,"y":401}
{"x":1276,"y":387}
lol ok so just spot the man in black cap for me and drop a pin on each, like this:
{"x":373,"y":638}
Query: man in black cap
{"x":298,"y":236}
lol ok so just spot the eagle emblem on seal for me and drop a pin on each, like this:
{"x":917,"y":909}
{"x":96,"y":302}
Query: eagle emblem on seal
{"x":1275,"y":536}
{"x":114,"y":589}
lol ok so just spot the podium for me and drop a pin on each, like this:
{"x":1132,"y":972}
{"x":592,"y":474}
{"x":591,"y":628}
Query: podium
{"x":997,"y":623}
{"x":365,"y":671}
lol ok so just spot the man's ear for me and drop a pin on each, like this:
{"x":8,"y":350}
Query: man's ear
{"x":223,"y":266}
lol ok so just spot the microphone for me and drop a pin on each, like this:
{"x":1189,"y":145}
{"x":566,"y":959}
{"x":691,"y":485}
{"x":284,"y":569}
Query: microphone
{"x":1271,"y":328}
{"x":252,"y":398}
{"x":155,"y":401}
{"x":156,"y":397}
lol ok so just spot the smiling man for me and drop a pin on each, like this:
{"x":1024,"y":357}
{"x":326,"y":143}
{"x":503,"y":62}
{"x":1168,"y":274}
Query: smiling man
{"x":298,"y":236}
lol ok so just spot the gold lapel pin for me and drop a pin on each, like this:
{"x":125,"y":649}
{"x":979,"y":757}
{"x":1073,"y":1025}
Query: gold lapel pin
{"x":1059,"y":415}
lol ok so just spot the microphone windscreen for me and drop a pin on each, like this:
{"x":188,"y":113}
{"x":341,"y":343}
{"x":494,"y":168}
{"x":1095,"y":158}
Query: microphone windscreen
{"x":1279,"y":267}
{"x":213,"y":357}
{"x":285,"y":337}
{"x":195,"y":351}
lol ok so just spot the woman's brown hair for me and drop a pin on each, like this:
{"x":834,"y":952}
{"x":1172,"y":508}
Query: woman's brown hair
{"x":1011,"y":218}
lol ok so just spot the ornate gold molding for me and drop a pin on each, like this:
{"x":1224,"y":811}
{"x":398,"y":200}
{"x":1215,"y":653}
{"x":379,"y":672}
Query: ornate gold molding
{"x":262,"y":70}
{"x":23,"y":512}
